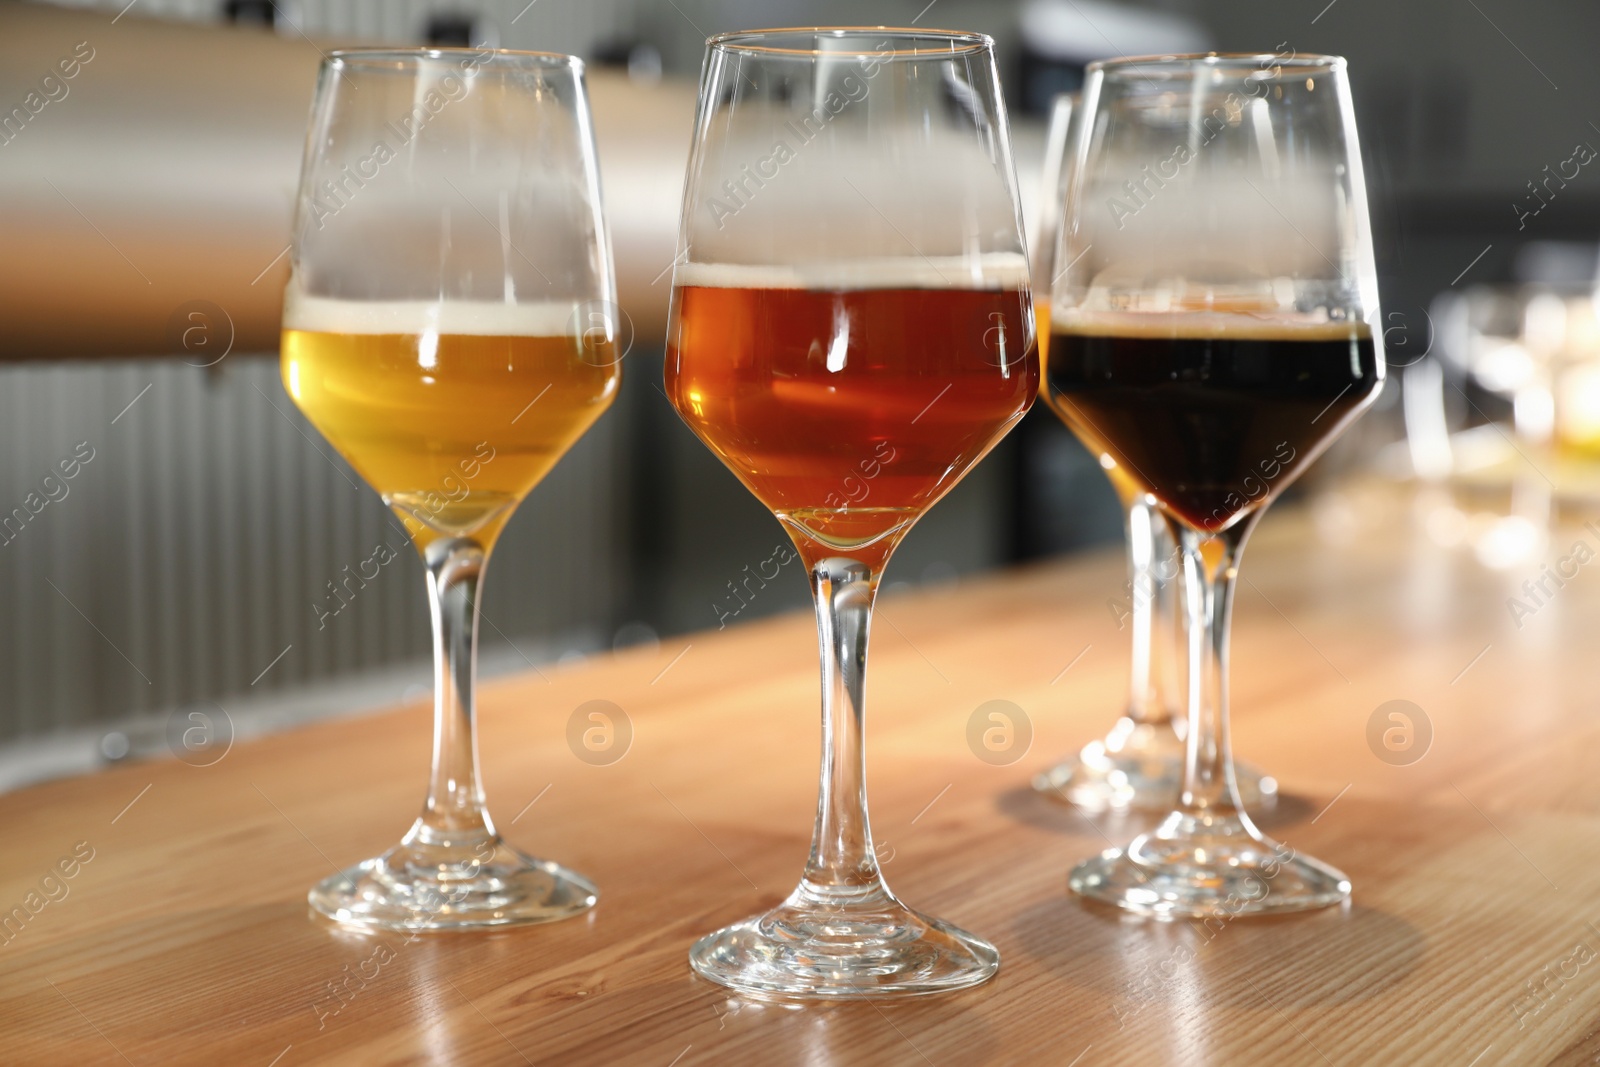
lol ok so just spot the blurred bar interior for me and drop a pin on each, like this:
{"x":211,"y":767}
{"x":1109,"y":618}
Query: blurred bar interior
{"x":198,"y":559}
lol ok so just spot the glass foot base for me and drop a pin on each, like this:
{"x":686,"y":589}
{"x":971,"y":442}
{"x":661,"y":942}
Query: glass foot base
{"x":452,"y":886}
{"x":1138,"y":767}
{"x":821,"y":945}
{"x":1203,"y":868}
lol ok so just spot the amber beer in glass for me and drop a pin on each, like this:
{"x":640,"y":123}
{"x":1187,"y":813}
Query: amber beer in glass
{"x":851,"y":330}
{"x":848,"y":412}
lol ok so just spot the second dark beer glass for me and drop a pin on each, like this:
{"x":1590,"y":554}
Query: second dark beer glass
{"x":1211,"y":334}
{"x":1138,"y":766}
{"x":851,"y":331}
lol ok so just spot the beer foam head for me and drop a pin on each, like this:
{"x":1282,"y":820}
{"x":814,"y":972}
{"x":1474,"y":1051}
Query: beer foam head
{"x":1206,"y":325}
{"x":992,"y":270}
{"x":483,"y":318}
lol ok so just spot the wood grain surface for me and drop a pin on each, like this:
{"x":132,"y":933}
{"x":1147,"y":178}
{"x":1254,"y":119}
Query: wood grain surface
{"x":1473,"y":938}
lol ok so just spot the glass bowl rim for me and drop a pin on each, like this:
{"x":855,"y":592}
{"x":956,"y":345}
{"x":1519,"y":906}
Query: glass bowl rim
{"x":750,"y":42}
{"x":1256,"y":61}
{"x":404,"y":59}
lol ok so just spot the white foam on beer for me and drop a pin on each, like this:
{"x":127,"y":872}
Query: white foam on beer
{"x":1206,"y":325}
{"x":991,"y":270}
{"x":478,"y":318}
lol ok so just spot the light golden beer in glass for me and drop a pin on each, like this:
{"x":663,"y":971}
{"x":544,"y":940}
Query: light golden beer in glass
{"x":452,"y":412}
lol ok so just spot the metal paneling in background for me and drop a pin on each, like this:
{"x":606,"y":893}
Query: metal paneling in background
{"x":197,"y":545}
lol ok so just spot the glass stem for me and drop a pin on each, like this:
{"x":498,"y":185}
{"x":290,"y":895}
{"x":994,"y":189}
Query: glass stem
{"x":455,"y":811}
{"x":1210,"y":568}
{"x":842,"y":856}
{"x":1152,"y":568}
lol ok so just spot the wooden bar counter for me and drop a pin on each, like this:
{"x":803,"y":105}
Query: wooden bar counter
{"x":1472,"y":938}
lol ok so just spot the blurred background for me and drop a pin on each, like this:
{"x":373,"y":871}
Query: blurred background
{"x":186,"y":566}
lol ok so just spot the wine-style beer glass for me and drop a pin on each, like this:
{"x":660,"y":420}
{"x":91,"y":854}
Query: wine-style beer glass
{"x":1213,"y":330}
{"x":851,"y":331}
{"x":449,"y":327}
{"x":1138,"y":765}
